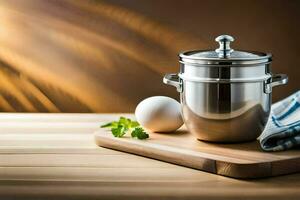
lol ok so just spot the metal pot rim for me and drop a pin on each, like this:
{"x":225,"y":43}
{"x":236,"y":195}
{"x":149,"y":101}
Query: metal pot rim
{"x":222,"y":80}
{"x":184,"y":58}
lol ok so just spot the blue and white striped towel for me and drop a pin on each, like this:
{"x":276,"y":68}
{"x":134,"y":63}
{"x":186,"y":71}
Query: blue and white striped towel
{"x":283,"y":128}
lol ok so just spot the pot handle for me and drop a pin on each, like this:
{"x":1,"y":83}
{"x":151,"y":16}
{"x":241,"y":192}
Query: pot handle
{"x":173,"y":80}
{"x":279,"y":79}
{"x":276,"y":80}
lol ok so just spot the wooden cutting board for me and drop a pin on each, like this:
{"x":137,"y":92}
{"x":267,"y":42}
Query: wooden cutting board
{"x":245,"y":160}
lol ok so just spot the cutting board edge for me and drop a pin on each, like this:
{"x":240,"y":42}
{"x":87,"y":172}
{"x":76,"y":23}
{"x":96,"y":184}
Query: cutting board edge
{"x":229,"y":169}
{"x":207,"y":165}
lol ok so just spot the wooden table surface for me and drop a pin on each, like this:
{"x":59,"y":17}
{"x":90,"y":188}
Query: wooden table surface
{"x":53,"y":156}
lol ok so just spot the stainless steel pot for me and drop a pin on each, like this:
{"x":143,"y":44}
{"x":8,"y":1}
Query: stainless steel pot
{"x":225,"y":94}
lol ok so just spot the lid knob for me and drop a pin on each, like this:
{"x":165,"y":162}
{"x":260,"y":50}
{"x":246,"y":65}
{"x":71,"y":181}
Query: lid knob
{"x":224,"y":49}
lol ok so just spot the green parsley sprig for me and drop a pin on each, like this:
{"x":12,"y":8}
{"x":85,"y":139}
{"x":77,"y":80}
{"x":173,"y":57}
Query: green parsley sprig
{"x":126,"y":125}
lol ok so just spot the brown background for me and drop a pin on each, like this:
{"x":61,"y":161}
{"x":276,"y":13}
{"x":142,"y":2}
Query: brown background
{"x":106,"y":56}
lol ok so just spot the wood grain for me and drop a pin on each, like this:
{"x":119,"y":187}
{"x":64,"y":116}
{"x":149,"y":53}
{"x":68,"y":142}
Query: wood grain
{"x":245,"y":160}
{"x":53,"y":163}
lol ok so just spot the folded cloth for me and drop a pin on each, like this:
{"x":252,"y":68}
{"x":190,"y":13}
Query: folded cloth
{"x":283,"y":128}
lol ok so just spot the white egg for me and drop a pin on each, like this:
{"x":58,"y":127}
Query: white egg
{"x":159,"y":114}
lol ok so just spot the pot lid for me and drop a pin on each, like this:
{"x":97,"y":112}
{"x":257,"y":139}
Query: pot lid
{"x":224,"y":55}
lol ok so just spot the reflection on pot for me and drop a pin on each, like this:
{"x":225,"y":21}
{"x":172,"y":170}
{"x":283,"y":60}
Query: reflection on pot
{"x":233,"y":112}
{"x":245,"y":127}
